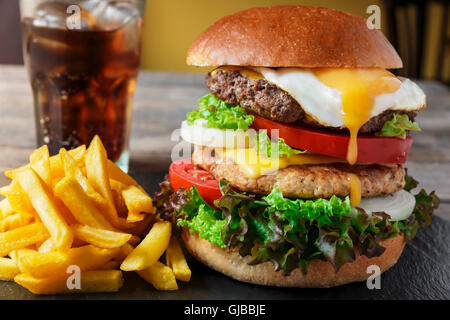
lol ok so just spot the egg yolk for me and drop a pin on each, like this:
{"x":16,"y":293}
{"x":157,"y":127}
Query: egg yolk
{"x":358,"y":88}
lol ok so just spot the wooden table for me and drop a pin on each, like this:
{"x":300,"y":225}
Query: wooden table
{"x":161,"y":103}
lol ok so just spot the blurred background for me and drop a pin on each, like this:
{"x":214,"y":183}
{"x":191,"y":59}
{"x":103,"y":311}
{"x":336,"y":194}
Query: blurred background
{"x":419,"y":29}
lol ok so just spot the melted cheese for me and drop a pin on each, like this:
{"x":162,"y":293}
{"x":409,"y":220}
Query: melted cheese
{"x":254,"y":165}
{"x":355,"y":189}
{"x":251,"y":74}
{"x":358,"y":88}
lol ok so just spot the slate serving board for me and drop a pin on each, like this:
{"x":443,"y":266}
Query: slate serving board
{"x":423,"y":272}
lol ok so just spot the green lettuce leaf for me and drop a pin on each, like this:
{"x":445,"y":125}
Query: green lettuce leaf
{"x":290,"y":232}
{"x":219,"y":114}
{"x":273,"y":149}
{"x":398,"y":126}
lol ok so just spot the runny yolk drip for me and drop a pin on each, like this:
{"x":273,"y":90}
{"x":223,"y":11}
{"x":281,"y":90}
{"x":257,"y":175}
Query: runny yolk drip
{"x":355,"y":189}
{"x":358,"y":88}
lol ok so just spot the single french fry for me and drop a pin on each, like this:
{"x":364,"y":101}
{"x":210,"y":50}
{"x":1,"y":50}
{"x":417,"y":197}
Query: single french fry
{"x":8,"y":269}
{"x":71,"y":168}
{"x":136,"y":202}
{"x":117,"y":185}
{"x":135,"y":216}
{"x":140,"y":227}
{"x":100,"y":237}
{"x":14,"y":221}
{"x":115,"y":173}
{"x":90,"y":281}
{"x":176,"y":261}
{"x":18,"y":200}
{"x":45,"y":206}
{"x":5,"y":208}
{"x":160,"y":276}
{"x":79,"y":204}
{"x":97,"y":173}
{"x":56,"y":166}
{"x":22,"y":237}
{"x":40,"y":162}
{"x":43,"y":265}
{"x":150,"y":249}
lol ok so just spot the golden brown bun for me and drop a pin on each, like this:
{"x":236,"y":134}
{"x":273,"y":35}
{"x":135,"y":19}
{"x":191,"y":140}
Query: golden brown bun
{"x":293,"y":36}
{"x":320,"y":274}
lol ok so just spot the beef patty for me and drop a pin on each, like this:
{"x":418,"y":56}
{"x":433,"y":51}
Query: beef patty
{"x":305,"y":181}
{"x":265,"y":99}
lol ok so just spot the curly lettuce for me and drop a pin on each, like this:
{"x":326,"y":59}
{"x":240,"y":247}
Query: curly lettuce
{"x":290,"y":232}
{"x":219,"y":114}
{"x":398,"y":127}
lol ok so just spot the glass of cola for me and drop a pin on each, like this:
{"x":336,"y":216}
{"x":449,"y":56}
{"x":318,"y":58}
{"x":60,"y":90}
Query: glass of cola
{"x":83,"y":58}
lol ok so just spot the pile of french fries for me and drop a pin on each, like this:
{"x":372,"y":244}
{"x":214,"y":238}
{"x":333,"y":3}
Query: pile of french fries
{"x":78,"y":214}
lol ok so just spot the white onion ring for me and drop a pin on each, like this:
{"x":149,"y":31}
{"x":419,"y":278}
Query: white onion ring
{"x":399,"y":205}
{"x":216,"y":138}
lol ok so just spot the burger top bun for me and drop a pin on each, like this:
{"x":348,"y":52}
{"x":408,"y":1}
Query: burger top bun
{"x":293,"y":36}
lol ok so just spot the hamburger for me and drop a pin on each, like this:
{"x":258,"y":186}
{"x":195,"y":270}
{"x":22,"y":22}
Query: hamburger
{"x":296,"y":177}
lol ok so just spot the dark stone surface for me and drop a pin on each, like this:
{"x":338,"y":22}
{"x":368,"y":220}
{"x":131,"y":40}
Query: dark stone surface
{"x":423,"y":272}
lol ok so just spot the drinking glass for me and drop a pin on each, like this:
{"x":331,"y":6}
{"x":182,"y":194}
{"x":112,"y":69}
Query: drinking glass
{"x":83,"y":58}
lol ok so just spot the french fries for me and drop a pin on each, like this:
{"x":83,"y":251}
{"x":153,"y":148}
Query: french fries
{"x":14,"y":221}
{"x":176,"y":261}
{"x":116,"y":174}
{"x":45,"y":206}
{"x":8,"y":269}
{"x":150,"y":249}
{"x":77,"y":209}
{"x":84,"y":211}
{"x":43,"y":265}
{"x":72,"y":169}
{"x":22,"y":237}
{"x":40,"y":163}
{"x":18,"y":201}
{"x":90,"y":281}
{"x":100,"y":237}
{"x":136,"y":202}
{"x":56,"y":166}
{"x":97,"y":173}
{"x":158,"y":275}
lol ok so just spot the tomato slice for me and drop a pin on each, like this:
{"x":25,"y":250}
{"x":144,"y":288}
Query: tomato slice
{"x":370,"y":149}
{"x":183,"y":174}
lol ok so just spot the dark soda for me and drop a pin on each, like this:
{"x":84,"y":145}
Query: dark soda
{"x":83,"y":80}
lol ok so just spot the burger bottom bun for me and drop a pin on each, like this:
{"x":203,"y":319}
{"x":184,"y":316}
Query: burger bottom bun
{"x":321,"y":274}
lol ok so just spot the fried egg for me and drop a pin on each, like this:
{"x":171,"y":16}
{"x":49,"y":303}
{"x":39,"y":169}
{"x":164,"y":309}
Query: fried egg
{"x":339,"y":97}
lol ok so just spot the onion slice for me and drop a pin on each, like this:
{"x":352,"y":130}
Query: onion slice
{"x":399,"y":205}
{"x":199,"y":134}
